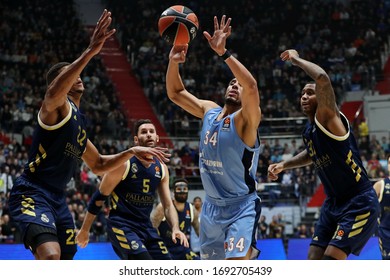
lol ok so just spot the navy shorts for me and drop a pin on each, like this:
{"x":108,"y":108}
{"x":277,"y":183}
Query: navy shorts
{"x":131,"y":238}
{"x":31,"y":204}
{"x":347,"y":226}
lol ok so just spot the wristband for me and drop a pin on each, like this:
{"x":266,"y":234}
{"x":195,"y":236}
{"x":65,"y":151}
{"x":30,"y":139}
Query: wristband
{"x":226,"y":55}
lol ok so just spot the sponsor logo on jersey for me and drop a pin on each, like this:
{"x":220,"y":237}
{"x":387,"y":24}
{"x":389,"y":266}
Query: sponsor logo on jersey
{"x":226,"y":124}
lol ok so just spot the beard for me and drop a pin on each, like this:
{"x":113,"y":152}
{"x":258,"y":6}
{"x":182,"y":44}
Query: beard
{"x":181,"y":197}
{"x":232,"y":102}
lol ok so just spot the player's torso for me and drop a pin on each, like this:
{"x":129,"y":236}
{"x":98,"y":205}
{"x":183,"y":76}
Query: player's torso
{"x":227,"y":165}
{"x":56,"y":150}
{"x":135,"y":195}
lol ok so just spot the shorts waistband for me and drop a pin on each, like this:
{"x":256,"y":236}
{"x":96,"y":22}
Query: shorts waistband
{"x":231,"y":200}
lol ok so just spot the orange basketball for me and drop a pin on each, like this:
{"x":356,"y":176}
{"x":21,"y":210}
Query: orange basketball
{"x":178,"y":25}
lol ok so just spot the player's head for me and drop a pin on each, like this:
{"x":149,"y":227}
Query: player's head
{"x":309,"y":100}
{"x":233,"y":94}
{"x":56,"y":69}
{"x":145,"y":133}
{"x":180,"y":190}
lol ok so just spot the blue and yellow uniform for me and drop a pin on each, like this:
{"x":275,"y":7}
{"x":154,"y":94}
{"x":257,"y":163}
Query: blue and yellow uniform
{"x":384,"y":219}
{"x":39,"y":194}
{"x":232,"y":207}
{"x":178,"y":251}
{"x":349,"y":213}
{"x":129,"y":227}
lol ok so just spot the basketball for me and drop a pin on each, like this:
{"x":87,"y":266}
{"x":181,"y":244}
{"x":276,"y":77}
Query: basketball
{"x":178,"y":25}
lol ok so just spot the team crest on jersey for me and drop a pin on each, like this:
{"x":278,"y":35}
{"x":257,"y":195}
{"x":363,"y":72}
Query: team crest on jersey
{"x":134,"y":168}
{"x":134,"y":245}
{"x":188,"y":215}
{"x":226,"y":124}
{"x":158,"y":172}
{"x":44,"y":218}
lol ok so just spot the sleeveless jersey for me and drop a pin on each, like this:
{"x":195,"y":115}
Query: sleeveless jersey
{"x":227,"y":166}
{"x":185,"y":219}
{"x":133,"y":198}
{"x":337,"y":160}
{"x":56,"y":151}
{"x":384,"y":198}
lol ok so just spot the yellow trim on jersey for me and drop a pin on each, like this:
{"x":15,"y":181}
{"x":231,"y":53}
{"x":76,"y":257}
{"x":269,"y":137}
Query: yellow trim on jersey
{"x":335,"y":137}
{"x":58,"y":125}
{"x":127,"y":170}
{"x":163,"y":170}
{"x":382,"y":190}
{"x":191,"y":211}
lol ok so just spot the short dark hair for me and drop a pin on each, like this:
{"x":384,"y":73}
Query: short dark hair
{"x":54,"y":71}
{"x":139,"y":123}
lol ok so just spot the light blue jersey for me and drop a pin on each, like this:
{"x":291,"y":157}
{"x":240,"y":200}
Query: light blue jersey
{"x":227,"y":166}
{"x":231,"y":208}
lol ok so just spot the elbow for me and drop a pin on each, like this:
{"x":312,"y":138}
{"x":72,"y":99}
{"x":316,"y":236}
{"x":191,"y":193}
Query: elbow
{"x":323,"y":79}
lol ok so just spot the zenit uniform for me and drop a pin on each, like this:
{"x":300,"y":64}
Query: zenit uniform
{"x":384,"y":219}
{"x":39,"y":194}
{"x":178,"y":251}
{"x":129,"y":227}
{"x":349,"y":213}
{"x":232,"y":207}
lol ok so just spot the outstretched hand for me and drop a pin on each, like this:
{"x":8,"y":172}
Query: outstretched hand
{"x":147,"y":154}
{"x":101,"y":32}
{"x":221,"y":32}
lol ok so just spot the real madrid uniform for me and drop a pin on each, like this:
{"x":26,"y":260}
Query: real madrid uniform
{"x":178,"y":251}
{"x":384,"y":219}
{"x":39,"y":194}
{"x":349,"y":214}
{"x":128,"y":226}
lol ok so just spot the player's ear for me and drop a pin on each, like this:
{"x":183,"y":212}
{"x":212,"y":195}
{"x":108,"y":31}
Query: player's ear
{"x":157,"y":138}
{"x":135,"y":140}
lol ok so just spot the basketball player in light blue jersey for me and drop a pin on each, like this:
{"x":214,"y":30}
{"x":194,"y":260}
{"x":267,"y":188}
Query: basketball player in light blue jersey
{"x":382,"y":188}
{"x":228,"y":153}
{"x":349,"y":213}
{"x":38,"y":199}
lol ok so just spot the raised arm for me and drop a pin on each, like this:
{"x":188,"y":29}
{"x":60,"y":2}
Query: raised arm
{"x":248,"y":118}
{"x":327,"y":112}
{"x":176,"y":91}
{"x":55,"y":106}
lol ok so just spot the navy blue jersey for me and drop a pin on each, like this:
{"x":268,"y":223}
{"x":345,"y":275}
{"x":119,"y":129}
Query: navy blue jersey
{"x":384,"y":199}
{"x":56,"y":151}
{"x":133,"y":198}
{"x":384,"y":219}
{"x":337,"y":160}
{"x":185,"y":220}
